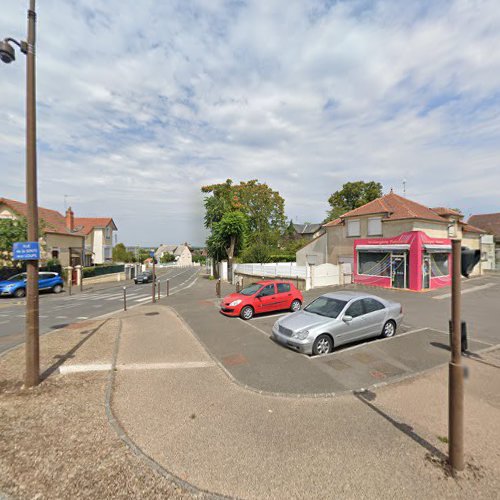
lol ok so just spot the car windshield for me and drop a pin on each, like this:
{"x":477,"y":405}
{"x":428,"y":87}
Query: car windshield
{"x":326,"y":306}
{"x":250,"y":290}
{"x":17,"y":277}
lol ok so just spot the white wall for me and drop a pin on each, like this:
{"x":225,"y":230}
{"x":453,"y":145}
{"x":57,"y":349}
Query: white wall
{"x":314,"y":251}
{"x":98,"y":246}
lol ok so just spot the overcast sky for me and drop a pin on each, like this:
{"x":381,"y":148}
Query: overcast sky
{"x":142,"y":102}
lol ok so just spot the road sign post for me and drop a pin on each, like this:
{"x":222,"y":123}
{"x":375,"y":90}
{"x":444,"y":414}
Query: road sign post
{"x":124,"y":298}
{"x":153,"y":295}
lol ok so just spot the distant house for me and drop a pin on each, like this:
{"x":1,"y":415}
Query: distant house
{"x":491,"y":224}
{"x":182,"y":253}
{"x":308,"y":231}
{"x":98,"y":237}
{"x":394,"y":242}
{"x":59,"y":241}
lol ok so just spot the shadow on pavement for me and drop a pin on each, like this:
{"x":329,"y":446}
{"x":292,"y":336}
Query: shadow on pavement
{"x":61,"y":358}
{"x":367,"y":397}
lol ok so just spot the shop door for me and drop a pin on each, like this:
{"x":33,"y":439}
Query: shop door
{"x":398,"y":271}
{"x":426,"y":272}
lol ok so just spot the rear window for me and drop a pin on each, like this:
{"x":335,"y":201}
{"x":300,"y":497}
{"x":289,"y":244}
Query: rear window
{"x":283,"y":287}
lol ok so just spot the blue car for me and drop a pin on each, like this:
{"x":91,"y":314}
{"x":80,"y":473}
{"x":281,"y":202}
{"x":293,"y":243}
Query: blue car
{"x":16,"y":285}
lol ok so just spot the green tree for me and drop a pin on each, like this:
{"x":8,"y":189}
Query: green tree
{"x":120,"y":254}
{"x":258,"y":252}
{"x":228,"y":236}
{"x":351,"y":196}
{"x":12,"y":230}
{"x":167,"y":257}
{"x":142,"y":255}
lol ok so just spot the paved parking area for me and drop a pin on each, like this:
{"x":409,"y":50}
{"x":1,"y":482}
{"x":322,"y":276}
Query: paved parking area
{"x":245,"y":349}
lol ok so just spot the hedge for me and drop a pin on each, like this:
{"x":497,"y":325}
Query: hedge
{"x":89,"y":272}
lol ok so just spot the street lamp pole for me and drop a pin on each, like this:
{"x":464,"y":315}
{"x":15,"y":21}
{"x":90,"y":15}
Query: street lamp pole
{"x":7,"y":55}
{"x":32,"y":305}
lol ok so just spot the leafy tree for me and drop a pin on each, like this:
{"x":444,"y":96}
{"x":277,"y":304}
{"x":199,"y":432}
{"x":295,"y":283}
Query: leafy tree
{"x":167,"y":257}
{"x":228,"y":236}
{"x":257,"y":251}
{"x":120,"y":254}
{"x":12,"y":230}
{"x":351,"y":196}
{"x":142,"y":255}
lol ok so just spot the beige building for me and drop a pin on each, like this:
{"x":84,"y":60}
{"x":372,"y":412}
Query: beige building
{"x":182,"y":253}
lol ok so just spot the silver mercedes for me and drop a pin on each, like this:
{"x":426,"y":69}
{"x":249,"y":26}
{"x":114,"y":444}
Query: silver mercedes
{"x":335,"y":319}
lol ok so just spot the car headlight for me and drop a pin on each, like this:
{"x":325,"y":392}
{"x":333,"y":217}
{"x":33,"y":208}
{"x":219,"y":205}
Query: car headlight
{"x":235,"y":303}
{"x":302,"y":335}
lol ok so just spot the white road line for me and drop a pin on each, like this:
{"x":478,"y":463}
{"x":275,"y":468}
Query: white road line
{"x":3,"y":322}
{"x":364,"y":344}
{"x":84,"y":368}
{"x":466,"y":290}
{"x":270,"y":316}
{"x":99,"y":367}
{"x":143,"y":299}
{"x":82,"y":317}
{"x":262,"y":332}
{"x":61,"y":317}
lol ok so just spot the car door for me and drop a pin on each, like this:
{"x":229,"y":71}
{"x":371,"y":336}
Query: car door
{"x":266,"y":299}
{"x":44,"y":281}
{"x":285,"y":296}
{"x":375,"y":313}
{"x":354,"y":329}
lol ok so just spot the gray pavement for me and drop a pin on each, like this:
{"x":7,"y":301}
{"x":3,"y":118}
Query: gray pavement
{"x":57,"y":311}
{"x":247,"y":352}
{"x":205,"y":429}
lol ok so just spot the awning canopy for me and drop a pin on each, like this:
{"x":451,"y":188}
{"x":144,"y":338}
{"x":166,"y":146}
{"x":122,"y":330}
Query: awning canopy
{"x":383,"y":248}
{"x":437,"y":248}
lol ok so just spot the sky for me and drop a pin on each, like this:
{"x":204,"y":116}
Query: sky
{"x":140,"y":103}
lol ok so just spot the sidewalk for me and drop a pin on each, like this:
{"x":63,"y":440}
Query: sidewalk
{"x":199,"y":427}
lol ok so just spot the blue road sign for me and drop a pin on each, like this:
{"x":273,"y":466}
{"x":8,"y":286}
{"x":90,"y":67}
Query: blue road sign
{"x":151,"y":253}
{"x":26,"y":250}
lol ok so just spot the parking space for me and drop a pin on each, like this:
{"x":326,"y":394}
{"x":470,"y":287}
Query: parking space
{"x":245,"y":349}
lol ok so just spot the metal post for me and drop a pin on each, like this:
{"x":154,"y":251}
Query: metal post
{"x":32,"y":375}
{"x":70,"y":279}
{"x":168,"y":288}
{"x":153,"y":297}
{"x":159,"y":287}
{"x":456,"y":376}
{"x":217,"y":288}
{"x":124,"y":298}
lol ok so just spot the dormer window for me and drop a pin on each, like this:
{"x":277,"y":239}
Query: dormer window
{"x":353,"y":228}
{"x":108,"y":232}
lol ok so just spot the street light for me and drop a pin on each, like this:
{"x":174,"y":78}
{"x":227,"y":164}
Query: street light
{"x":8,"y":55}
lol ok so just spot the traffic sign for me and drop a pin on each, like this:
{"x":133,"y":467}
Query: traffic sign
{"x":26,"y":250}
{"x":151,"y":253}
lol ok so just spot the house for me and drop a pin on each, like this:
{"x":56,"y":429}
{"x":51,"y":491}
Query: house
{"x":182,"y":253}
{"x":98,"y":233}
{"x":491,"y":224}
{"x":308,"y":231}
{"x":60,"y":239}
{"x":394,"y":242}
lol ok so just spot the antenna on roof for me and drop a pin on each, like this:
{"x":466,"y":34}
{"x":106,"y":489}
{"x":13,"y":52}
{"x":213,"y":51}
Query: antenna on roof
{"x":404,"y":188}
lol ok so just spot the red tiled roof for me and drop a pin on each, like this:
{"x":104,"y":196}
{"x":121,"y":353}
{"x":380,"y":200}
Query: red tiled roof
{"x":395,"y":207}
{"x":89,"y":223}
{"x":335,"y":222}
{"x":54,"y":221}
{"x":446,"y":211}
{"x":468,"y":228}
{"x":487,"y":222}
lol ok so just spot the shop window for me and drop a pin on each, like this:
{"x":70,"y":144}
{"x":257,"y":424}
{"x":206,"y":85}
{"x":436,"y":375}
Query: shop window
{"x":374,"y":263}
{"x":374,"y":226}
{"x":439,"y":265}
{"x":353,"y":228}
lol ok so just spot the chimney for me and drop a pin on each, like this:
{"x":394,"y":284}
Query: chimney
{"x":70,"y":219}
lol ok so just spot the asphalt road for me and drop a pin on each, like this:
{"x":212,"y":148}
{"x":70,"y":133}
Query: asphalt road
{"x":248,"y":353}
{"x":57,"y":311}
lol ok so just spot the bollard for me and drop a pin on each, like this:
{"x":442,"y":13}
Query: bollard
{"x":70,"y":284}
{"x":168,"y":288}
{"x":238,"y":287}
{"x":124,"y":298}
{"x":159,"y":294}
{"x":463,"y":334}
{"x":217,"y":288}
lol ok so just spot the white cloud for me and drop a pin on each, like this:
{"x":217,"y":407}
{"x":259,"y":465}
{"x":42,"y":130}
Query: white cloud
{"x":141,"y":103}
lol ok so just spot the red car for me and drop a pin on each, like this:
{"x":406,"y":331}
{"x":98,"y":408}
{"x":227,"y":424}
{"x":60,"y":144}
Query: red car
{"x":262,"y":297}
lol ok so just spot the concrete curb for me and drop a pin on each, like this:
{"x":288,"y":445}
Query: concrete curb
{"x":120,"y":431}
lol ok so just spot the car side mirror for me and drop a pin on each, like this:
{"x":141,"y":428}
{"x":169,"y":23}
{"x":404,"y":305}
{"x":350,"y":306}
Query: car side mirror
{"x":347,"y":318}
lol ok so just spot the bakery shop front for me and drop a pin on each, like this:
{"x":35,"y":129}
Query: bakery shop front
{"x":413,"y":260}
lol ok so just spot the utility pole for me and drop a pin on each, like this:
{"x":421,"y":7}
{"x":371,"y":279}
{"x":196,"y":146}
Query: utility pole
{"x":456,"y":374}
{"x":32,"y":376}
{"x":153,"y":297}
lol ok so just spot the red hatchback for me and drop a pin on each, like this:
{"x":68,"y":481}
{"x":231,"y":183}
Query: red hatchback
{"x":262,"y":297}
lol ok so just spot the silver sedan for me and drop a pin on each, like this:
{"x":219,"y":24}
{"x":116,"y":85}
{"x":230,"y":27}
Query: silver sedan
{"x":335,"y":319}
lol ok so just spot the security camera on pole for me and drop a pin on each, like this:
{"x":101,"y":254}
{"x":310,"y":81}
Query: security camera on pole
{"x":7,"y":55}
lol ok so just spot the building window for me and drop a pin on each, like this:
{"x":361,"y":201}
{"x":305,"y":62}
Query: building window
{"x":108,"y":232}
{"x":451,"y":231}
{"x":353,"y":228}
{"x":439,"y":265}
{"x":374,"y":263}
{"x":375,"y":226}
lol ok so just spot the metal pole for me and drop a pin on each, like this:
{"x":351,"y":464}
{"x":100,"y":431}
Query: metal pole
{"x":124,"y":298}
{"x":153,"y":298}
{"x":159,"y":286}
{"x":168,"y":288}
{"x":70,"y":279}
{"x":456,"y":375}
{"x":32,"y":375}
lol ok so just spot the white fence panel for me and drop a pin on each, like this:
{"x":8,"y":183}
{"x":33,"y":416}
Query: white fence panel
{"x":325,"y":275}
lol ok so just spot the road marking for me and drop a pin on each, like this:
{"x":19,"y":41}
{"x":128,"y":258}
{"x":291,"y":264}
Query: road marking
{"x":100,"y":367}
{"x":271,"y":316}
{"x":466,"y":290}
{"x":3,"y":322}
{"x":143,"y":299}
{"x":84,"y":368}
{"x":61,"y":317}
{"x":267,"y":334}
{"x":82,"y":317}
{"x":364,"y":344}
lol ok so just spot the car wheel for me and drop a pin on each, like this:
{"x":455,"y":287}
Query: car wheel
{"x":57,"y":288}
{"x":322,"y":345}
{"x":389,"y":329}
{"x":246,"y":313}
{"x":19,"y":293}
{"x":295,"y":305}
